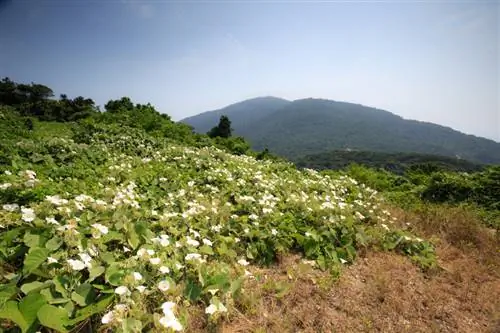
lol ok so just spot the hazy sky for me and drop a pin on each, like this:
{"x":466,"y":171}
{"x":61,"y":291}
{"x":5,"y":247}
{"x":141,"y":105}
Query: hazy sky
{"x":428,"y":60}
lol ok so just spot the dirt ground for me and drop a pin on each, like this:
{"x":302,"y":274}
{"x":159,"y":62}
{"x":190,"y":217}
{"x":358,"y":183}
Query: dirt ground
{"x":381,"y":292}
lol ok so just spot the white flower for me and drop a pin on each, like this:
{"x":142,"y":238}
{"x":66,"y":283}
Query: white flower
{"x":28,"y":214}
{"x":163,"y":240}
{"x":76,"y":265}
{"x":243,"y":262}
{"x":171,"y":322}
{"x":51,"y":220}
{"x":164,"y":269}
{"x":5,"y":186}
{"x":101,"y":228}
{"x":213,"y":308}
{"x":51,"y":260}
{"x":141,"y":289}
{"x":343,"y":261}
{"x":164,"y":285}
{"x":10,"y":207}
{"x":274,"y":232}
{"x":151,"y":252}
{"x":56,"y":200}
{"x":155,"y":261}
{"x":122,"y":291}
{"x":179,"y":266}
{"x":137,"y":276}
{"x":193,"y":256}
{"x":8,"y":173}
{"x":385,"y":227}
{"x":236,"y":240}
{"x":86,"y":259}
{"x":192,"y":242}
{"x":108,"y":317}
{"x":207,"y":242}
{"x":30,"y":174}
{"x":253,"y":217}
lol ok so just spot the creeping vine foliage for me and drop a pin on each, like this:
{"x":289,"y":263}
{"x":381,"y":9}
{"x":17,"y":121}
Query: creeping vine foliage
{"x":132,"y":229}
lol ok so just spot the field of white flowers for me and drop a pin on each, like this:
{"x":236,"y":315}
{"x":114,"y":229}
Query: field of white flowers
{"x":128,"y":233}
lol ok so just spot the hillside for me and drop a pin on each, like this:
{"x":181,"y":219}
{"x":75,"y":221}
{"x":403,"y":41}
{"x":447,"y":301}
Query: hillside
{"x":394,"y":162}
{"x":310,"y":126}
{"x":124,"y":221}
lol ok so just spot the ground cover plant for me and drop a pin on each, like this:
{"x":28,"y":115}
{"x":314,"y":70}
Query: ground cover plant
{"x":132,"y":232}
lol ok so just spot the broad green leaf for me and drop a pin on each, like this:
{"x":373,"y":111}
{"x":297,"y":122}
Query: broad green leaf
{"x":114,"y":274}
{"x":131,"y":325}
{"x":61,"y":285}
{"x":236,"y":286}
{"x":35,"y":258}
{"x":54,"y":243}
{"x":10,"y":311}
{"x":84,"y":294}
{"x":95,"y":271}
{"x":53,"y":317}
{"x":35,"y":286}
{"x":192,"y":290}
{"x":99,"y":306}
{"x":29,"y":307}
{"x":32,"y":240}
{"x":205,"y":249}
{"x":7,"y":292}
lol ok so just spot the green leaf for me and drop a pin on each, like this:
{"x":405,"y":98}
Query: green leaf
{"x":236,"y":286}
{"x":7,"y":292}
{"x":54,"y":243}
{"x":205,"y":249}
{"x":131,"y":325}
{"x":32,"y":240}
{"x":99,"y":306}
{"x":114,"y":275}
{"x":35,"y":286}
{"x":95,"y":271}
{"x":35,"y":258}
{"x":84,"y":294}
{"x":10,"y":311}
{"x":29,"y":307}
{"x":192,"y":290}
{"x":61,"y":285}
{"x":53,"y":317}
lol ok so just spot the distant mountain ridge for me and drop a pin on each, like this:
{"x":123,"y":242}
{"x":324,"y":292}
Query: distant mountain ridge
{"x":294,"y":129}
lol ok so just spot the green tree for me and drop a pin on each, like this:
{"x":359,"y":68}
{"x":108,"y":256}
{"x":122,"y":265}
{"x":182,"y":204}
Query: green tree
{"x":223,"y":129}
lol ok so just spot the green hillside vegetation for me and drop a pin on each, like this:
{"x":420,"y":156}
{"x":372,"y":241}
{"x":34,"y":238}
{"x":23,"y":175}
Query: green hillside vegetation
{"x":124,"y":221}
{"x":393,"y":162}
{"x":310,"y":126}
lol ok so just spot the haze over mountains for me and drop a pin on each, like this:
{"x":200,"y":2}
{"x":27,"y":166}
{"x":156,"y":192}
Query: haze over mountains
{"x":294,"y":129}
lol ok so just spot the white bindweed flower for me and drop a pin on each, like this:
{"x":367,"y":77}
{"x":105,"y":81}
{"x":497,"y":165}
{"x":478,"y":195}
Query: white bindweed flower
{"x":122,"y":291}
{"x":164,"y":285}
{"x":141,"y":289}
{"x":274,"y":232}
{"x":193,"y":256}
{"x":102,"y":229}
{"x":155,"y":261}
{"x":51,"y":220}
{"x":108,"y":317}
{"x":76,"y":265}
{"x":207,"y":242}
{"x":137,"y":276}
{"x":51,"y":260}
{"x":192,"y":242}
{"x":28,"y":214}
{"x":243,"y":262}
{"x":214,"y":308}
{"x":164,"y":269}
{"x":8,"y":173}
{"x":10,"y":207}
{"x":5,"y":186}
{"x":343,"y":261}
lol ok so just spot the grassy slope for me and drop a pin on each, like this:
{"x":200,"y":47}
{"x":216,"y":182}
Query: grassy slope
{"x":372,"y":294}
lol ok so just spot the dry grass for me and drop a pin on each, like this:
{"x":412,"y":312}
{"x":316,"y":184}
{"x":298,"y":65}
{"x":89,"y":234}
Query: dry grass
{"x":382,"y":292}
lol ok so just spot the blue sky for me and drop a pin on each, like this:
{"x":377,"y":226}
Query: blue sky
{"x":428,"y":60}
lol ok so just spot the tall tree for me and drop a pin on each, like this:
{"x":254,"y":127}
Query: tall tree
{"x":223,"y":129}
